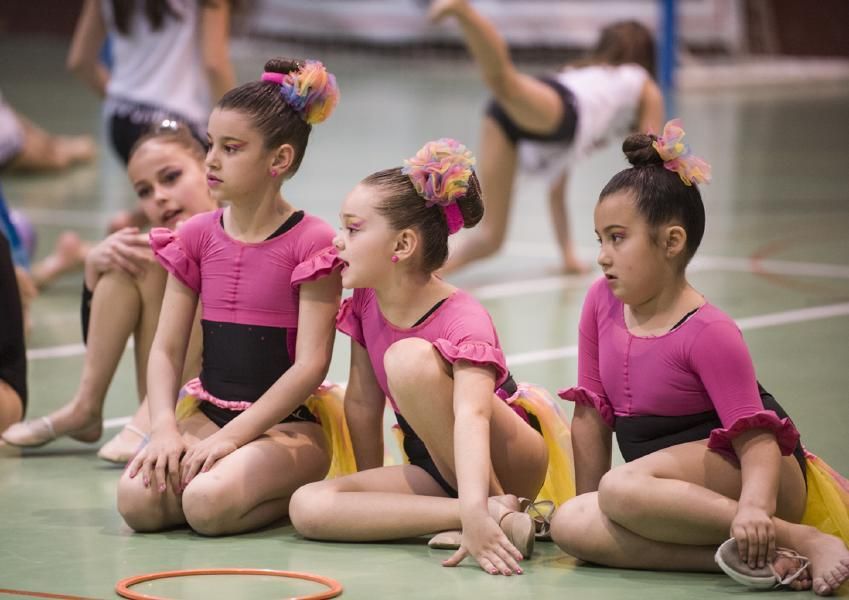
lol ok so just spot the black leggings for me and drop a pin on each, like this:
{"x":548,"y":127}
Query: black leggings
{"x":13,"y":355}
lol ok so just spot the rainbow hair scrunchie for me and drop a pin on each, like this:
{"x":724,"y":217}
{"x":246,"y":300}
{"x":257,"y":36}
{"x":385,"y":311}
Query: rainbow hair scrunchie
{"x":440,"y":172}
{"x":311,"y":91}
{"x":677,"y":157}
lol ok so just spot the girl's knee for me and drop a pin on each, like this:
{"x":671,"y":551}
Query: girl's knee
{"x":209,"y":506}
{"x":138,"y":507}
{"x":569,"y":524}
{"x":309,"y":508}
{"x":619,"y":491}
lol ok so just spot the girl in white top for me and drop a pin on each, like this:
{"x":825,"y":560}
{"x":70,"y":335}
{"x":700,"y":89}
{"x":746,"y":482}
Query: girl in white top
{"x":547,"y":124}
{"x":171,"y":61}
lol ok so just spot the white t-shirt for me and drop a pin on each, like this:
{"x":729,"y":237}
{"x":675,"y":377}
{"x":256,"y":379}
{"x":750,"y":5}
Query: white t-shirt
{"x":162,"y":68}
{"x":607,"y":102}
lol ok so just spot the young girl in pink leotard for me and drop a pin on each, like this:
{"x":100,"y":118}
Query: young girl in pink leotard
{"x":470,"y":433}
{"x":244,"y":438}
{"x":708,"y":450}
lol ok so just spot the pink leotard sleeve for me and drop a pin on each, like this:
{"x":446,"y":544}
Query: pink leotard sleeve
{"x":721,"y":360}
{"x":590,"y":390}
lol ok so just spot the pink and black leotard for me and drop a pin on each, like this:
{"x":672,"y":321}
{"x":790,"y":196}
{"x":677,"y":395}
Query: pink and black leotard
{"x":694,"y":382}
{"x":459,"y":329}
{"x":249,"y":295}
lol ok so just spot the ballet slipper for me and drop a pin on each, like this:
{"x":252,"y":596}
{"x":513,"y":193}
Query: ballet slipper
{"x":117,"y":452}
{"x":446,"y":540}
{"x":766,"y":577}
{"x":541,"y":513}
{"x":40,"y":431}
{"x":519,"y":529}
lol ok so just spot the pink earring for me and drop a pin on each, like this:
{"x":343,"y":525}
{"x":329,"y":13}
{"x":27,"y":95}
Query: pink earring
{"x":394,"y":258}
{"x":273,"y":172}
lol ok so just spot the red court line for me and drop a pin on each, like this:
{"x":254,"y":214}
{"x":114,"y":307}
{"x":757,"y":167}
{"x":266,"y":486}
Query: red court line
{"x":45,"y":595}
{"x":774,"y":247}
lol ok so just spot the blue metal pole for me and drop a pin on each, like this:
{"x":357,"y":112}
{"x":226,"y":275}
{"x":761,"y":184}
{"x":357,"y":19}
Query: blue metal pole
{"x":667,"y":50}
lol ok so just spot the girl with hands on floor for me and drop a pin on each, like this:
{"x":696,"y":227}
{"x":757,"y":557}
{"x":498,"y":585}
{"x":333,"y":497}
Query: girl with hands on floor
{"x":708,"y":451}
{"x":547,"y":125}
{"x":243,"y":438}
{"x":433,"y":352}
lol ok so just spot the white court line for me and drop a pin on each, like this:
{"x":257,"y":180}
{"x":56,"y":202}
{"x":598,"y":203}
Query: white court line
{"x":722,"y":263}
{"x":60,"y":351}
{"x":67,"y":218}
{"x":748,"y":323}
{"x":116,"y":422}
{"x":541,"y":285}
{"x":757,"y":322}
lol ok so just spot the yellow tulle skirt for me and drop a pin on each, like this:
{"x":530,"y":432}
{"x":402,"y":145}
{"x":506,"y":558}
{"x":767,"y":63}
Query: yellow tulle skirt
{"x":827,"y":508}
{"x":326,"y":405}
{"x":559,"y":485}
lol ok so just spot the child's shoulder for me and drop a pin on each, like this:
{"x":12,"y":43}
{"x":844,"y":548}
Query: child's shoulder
{"x":200,"y":222}
{"x":314,"y":229}
{"x":465,"y":313}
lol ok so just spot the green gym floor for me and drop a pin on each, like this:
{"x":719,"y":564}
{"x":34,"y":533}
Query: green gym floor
{"x":775,"y":256}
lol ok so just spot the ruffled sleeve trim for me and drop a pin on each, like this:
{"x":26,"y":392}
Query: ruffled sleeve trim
{"x":585,"y":397}
{"x":785,"y":431}
{"x":348,"y":323}
{"x":477,"y":353}
{"x":169,"y":251}
{"x":319,"y":265}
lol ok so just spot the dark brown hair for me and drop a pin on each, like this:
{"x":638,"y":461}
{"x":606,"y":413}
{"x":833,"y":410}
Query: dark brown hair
{"x":621,"y":43}
{"x":660,"y":195}
{"x":405,"y":208}
{"x":278,"y":122}
{"x":173,"y":133}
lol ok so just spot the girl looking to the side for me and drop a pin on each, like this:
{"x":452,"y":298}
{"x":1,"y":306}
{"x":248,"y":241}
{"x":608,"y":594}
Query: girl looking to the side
{"x":708,"y":450}
{"x":243,"y":440}
{"x":433,"y":351}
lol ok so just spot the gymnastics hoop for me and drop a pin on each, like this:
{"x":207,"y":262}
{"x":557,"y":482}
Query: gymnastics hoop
{"x":123,"y":586}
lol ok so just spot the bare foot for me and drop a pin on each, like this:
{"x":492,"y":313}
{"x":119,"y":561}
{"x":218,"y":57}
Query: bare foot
{"x":829,"y":561}
{"x":76,"y":149}
{"x":499,"y":506}
{"x":575,"y":267}
{"x":68,"y":255}
{"x":785,"y":566}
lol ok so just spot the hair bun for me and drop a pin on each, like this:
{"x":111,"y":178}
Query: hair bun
{"x":639,"y":150}
{"x":307,"y":87}
{"x":283,"y":65}
{"x":440,"y":171}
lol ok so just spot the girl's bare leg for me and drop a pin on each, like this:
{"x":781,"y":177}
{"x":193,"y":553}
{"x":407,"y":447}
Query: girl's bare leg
{"x":43,"y":151}
{"x":496,"y":168}
{"x":531,"y":104}
{"x":123,"y":446}
{"x":11,"y":407}
{"x":115,"y":310}
{"x":420,"y":382}
{"x":405,"y":501}
{"x":673,"y":507}
{"x":68,"y":255}
{"x":247,"y":489}
{"x":557,"y":200}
